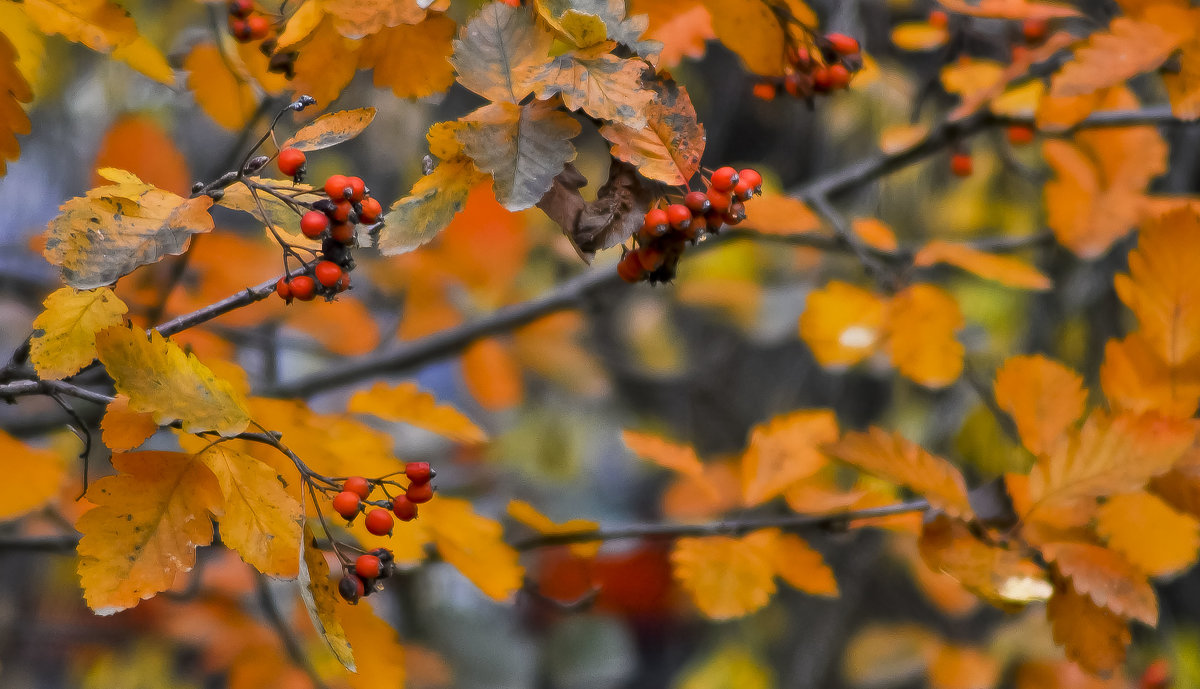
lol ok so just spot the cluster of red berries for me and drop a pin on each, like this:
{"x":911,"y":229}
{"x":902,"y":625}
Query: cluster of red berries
{"x":331,"y":220}
{"x":354,"y":499}
{"x":827,"y":66}
{"x":666,"y":231}
{"x":247,"y":24}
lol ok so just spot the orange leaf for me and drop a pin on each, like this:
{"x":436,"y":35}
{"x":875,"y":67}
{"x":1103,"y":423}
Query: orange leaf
{"x":1092,"y":636}
{"x":783,"y":451}
{"x":529,"y":516}
{"x":1125,"y":50}
{"x":726,"y":577}
{"x":331,"y":129}
{"x":682,"y":27}
{"x":326,"y":64}
{"x":669,"y":147}
{"x":1105,"y":577}
{"x":345,"y":326}
{"x":145,"y":527}
{"x":922,"y":321}
{"x":1151,"y":534}
{"x":874,"y":233}
{"x":752,"y":31}
{"x":222,"y":94}
{"x":377,"y":649}
{"x":1011,"y":9}
{"x":138,"y":144}
{"x":123,"y":429}
{"x":408,"y":403}
{"x":666,"y":454}
{"x":898,"y":460}
{"x":842,"y":324}
{"x":778,"y":214}
{"x":15,"y":90}
{"x":1043,"y":397}
{"x":492,"y":375}
{"x":1135,"y":379}
{"x":411,"y":60}
{"x":795,"y":561}
{"x":1005,"y":270}
{"x":473,"y":545}
{"x":919,"y":36}
{"x":995,"y":574}
{"x":358,"y":18}
{"x":41,"y":475}
{"x":702,"y":497}
{"x":963,"y":667}
{"x":599,"y":83}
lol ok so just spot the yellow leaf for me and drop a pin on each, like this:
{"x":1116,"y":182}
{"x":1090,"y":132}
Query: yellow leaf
{"x":601,"y":84}
{"x":902,"y":137}
{"x":409,"y":404}
{"x":784,"y":451}
{"x":41,"y":474}
{"x":145,"y":527}
{"x":320,"y":598}
{"x":99,"y":24}
{"x":1151,"y":534}
{"x":97,"y":238}
{"x":529,"y":516}
{"x":326,"y":64}
{"x":898,"y":460}
{"x":501,"y":53}
{"x":332,"y":444}
{"x":14,"y":90}
{"x":1105,"y":577}
{"x":492,"y":375}
{"x":123,"y":430}
{"x":303,"y":22}
{"x":161,"y":379}
{"x":919,"y":36}
{"x":1163,"y":287}
{"x":223,"y":95}
{"x":875,"y":233}
{"x":1000,"y":576}
{"x":795,"y":561}
{"x":725,"y":576}
{"x":731,"y":666}
{"x":1135,"y":379}
{"x":261,"y":519}
{"x":523,"y":148}
{"x":433,"y":202}
{"x":666,"y":454}
{"x":331,"y":129}
{"x":1044,"y":399}
{"x":1109,"y":57}
{"x":473,"y":544}
{"x":64,"y":335}
{"x":377,"y":649}
{"x":1006,"y":270}
{"x":412,"y":60}
{"x":669,"y":147}
{"x":752,"y":31}
{"x":922,"y":321}
{"x":842,"y":324}
{"x":1110,"y":454}
{"x":146,"y":58}
{"x":358,"y":18}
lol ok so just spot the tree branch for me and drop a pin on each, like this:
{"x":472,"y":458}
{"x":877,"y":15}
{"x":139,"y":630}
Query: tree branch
{"x":22,"y":388}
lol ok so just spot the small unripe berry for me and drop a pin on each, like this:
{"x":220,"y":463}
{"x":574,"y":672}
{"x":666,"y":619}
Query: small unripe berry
{"x":328,"y":273}
{"x":313,"y":223}
{"x":367,"y":567}
{"x":357,"y":485}
{"x":291,"y":161}
{"x":419,"y":493}
{"x":404,"y":509}
{"x":346,"y":504}
{"x":418,"y":472}
{"x":379,"y":522}
{"x":724,"y":178}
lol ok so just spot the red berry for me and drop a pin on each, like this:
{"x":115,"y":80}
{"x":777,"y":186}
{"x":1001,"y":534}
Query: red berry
{"x":346,"y":504}
{"x":843,"y":44}
{"x":939,"y":19}
{"x":313,"y":223}
{"x":751,"y":176}
{"x":418,"y":472}
{"x":358,"y":188}
{"x":651,"y":257}
{"x":284,"y":290}
{"x":241,"y":8}
{"x":799,"y":57}
{"x":344,"y":283}
{"x":335,"y":187}
{"x":764,"y":90}
{"x":719,"y":201}
{"x":419,"y":493}
{"x":328,"y":273}
{"x":343,"y":232}
{"x":630,"y":268}
{"x":341,"y":211}
{"x":404,"y":509}
{"x":960,"y":164}
{"x":258,"y":27}
{"x":821,"y":80}
{"x":1019,"y":135}
{"x":371,"y":210}
{"x":656,"y":222}
{"x":1034,"y":30}
{"x":239,"y":29}
{"x":713,"y":220}
{"x":357,"y":485}
{"x":797,"y":84}
{"x":367,"y":567}
{"x":379,"y":521}
{"x":697,"y":202}
{"x":303,"y":288}
{"x":735,"y":214}
{"x":1157,"y":675}
{"x":694,"y":228}
{"x":723,"y":178}
{"x":743,"y":191}
{"x":839,"y":76}
{"x":291,"y":161}
{"x":351,"y":588}
{"x":679,"y":215}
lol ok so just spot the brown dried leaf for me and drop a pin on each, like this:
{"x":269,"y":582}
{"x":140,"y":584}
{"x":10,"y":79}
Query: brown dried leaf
{"x":601,"y":84}
{"x":669,"y":147}
{"x":501,"y":53}
{"x":1106,"y":577}
{"x":1092,"y":636}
